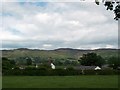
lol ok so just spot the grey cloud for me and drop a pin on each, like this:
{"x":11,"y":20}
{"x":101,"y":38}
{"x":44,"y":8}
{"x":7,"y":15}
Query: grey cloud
{"x":75,"y":25}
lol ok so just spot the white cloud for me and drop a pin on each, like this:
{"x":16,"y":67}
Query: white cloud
{"x":47,"y":45}
{"x":76,"y":25}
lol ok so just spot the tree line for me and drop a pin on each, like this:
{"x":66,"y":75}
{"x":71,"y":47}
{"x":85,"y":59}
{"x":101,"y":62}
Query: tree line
{"x":9,"y":67}
{"x":88,"y":59}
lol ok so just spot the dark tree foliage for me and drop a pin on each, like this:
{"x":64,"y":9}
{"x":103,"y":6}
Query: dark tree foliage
{"x":29,"y":61}
{"x":92,"y":59}
{"x":114,"y":62}
{"x":113,"y":5}
{"x":7,"y":64}
{"x":117,"y":12}
{"x":109,"y":5}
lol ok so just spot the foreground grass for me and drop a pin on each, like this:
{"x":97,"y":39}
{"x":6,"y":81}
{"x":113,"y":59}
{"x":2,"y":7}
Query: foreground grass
{"x":91,"y":81}
{"x":0,"y":82}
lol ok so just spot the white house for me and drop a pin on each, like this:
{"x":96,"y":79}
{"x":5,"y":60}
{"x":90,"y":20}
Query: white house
{"x":36,"y":66}
{"x":97,"y":68}
{"x":52,"y":66}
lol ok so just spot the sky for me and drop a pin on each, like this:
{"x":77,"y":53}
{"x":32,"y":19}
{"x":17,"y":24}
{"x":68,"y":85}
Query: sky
{"x":52,"y":25}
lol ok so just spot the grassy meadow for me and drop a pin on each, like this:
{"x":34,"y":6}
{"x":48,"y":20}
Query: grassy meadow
{"x":0,"y":81}
{"x":83,"y":81}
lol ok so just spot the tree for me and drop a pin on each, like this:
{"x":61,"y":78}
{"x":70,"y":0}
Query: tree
{"x":112,"y":5}
{"x":67,"y":62}
{"x":92,"y":59}
{"x":114,"y":62}
{"x":29,"y":61}
{"x":58,"y":62}
{"x":7,"y":63}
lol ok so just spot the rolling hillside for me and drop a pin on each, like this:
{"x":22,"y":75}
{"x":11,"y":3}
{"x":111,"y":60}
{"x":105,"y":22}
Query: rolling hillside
{"x":61,"y":53}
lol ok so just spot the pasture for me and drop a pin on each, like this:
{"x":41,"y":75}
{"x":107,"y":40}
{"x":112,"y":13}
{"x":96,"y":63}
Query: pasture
{"x":0,"y":81}
{"x":83,"y":81}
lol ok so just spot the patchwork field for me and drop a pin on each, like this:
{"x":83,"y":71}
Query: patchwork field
{"x":91,"y":81}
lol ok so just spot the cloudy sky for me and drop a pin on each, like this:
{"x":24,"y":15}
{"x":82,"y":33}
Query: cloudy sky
{"x":51,"y":25}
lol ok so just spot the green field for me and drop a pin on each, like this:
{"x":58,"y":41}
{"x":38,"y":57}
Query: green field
{"x":0,"y":81}
{"x":57,"y":54}
{"x":91,"y":81}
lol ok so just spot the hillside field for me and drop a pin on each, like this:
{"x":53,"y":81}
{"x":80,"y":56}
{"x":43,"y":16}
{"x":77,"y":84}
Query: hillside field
{"x":87,"y":81}
{"x":62,"y":54}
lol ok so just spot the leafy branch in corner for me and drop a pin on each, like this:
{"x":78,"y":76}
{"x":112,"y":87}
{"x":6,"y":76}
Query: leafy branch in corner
{"x":112,"y":5}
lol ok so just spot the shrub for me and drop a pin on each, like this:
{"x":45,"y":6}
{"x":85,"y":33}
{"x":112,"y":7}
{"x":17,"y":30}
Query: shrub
{"x":108,"y":72}
{"x":57,"y":72}
{"x":89,"y":72}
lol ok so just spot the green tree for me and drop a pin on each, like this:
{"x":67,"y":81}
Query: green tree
{"x":29,"y":61}
{"x":114,"y":62}
{"x":7,"y":63}
{"x":67,"y":62}
{"x":92,"y":59}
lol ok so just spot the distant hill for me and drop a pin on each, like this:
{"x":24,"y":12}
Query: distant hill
{"x":61,"y":53}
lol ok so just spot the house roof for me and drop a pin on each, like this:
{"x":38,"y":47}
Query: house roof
{"x":85,"y":67}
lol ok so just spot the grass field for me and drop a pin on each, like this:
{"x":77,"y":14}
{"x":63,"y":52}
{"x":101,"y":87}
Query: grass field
{"x":92,"y":81}
{"x":0,"y":82}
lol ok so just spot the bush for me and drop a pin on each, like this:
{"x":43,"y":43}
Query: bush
{"x":57,"y":72}
{"x":30,"y":68}
{"x":108,"y":72}
{"x":89,"y":72}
